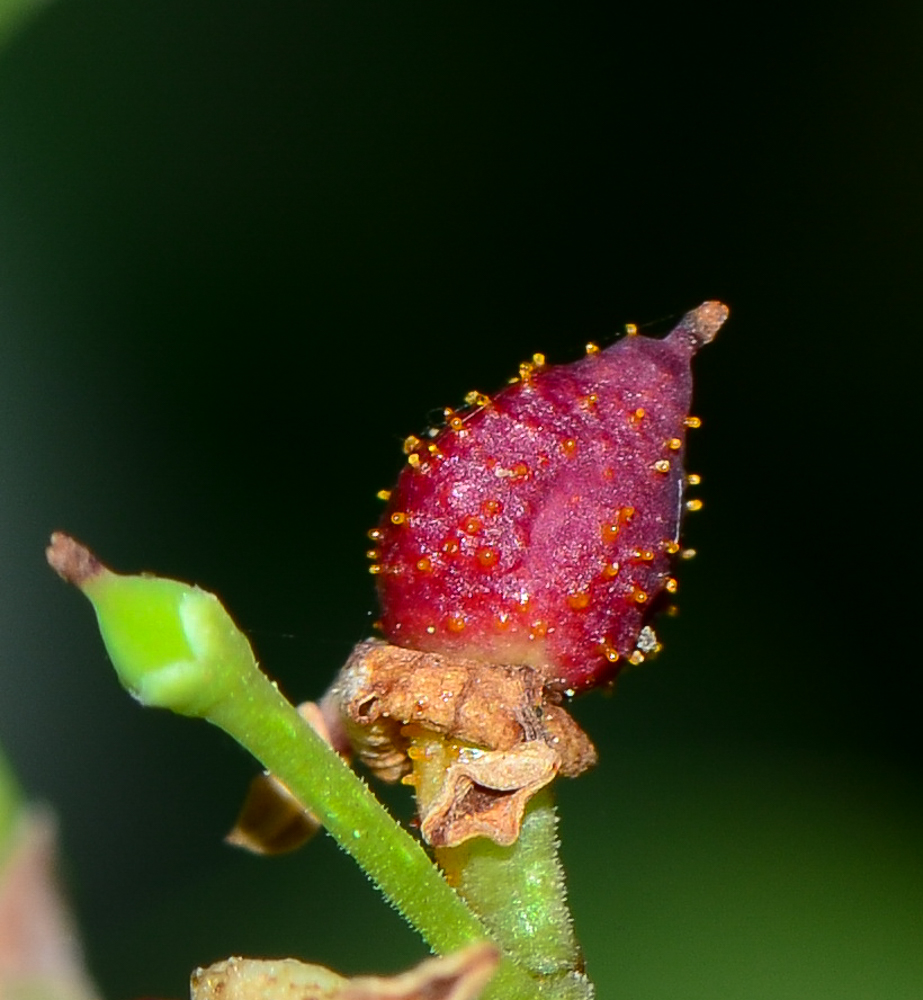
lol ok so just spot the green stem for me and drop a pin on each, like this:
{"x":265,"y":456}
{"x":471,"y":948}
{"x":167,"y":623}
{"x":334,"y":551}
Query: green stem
{"x":174,"y":646}
{"x":260,"y":719}
{"x":519,"y":892}
{"x":273,"y":731}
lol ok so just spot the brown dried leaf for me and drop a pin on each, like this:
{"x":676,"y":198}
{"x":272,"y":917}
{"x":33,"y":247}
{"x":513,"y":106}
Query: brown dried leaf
{"x":265,"y":979}
{"x":574,"y":747}
{"x":461,"y":976}
{"x":485,"y":795}
{"x":271,"y":820}
{"x":384,"y":687}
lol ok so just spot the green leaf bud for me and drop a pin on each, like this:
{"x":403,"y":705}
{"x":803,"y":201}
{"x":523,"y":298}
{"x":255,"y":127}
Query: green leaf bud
{"x":172,"y":645}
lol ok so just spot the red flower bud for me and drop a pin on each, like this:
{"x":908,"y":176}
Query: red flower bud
{"x":538,"y":525}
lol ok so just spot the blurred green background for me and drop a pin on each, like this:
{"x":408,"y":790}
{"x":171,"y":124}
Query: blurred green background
{"x":246,"y":248}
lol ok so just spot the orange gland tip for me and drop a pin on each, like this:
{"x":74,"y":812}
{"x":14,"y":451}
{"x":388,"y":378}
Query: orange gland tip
{"x":637,"y":415}
{"x":644,"y":555}
{"x":486,"y":556}
{"x":611,"y":570}
{"x":398,"y":517}
{"x":636,"y":658}
{"x":694,"y":505}
{"x":671,"y":547}
{"x":672,"y":585}
{"x":455,"y":623}
{"x":578,"y":600}
{"x":609,"y":651}
{"x":538,"y":359}
{"x":424,"y":564}
{"x":631,"y":329}
{"x":569,"y":446}
{"x":475,"y":398}
{"x":693,"y":423}
{"x":592,"y":348}
{"x":372,"y":554}
{"x":383,"y":494}
{"x":638,"y":595}
{"x":453,"y":421}
{"x":411,"y":443}
{"x":589,"y":401}
{"x":409,"y":779}
{"x":376,"y":534}
{"x":609,"y":531}
{"x":413,"y":460}
{"x":693,"y":479}
{"x":663,"y":465}
{"x":375,"y":569}
{"x":674,"y":444}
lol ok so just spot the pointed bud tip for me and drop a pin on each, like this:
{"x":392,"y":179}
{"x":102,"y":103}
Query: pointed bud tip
{"x":73,"y":562}
{"x":704,"y":323}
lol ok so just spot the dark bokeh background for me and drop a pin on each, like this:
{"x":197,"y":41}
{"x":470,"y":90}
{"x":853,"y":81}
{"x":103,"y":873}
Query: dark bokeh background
{"x":246,"y":248}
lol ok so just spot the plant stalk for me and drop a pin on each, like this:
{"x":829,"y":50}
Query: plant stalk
{"x":518,"y":891}
{"x":174,"y":646}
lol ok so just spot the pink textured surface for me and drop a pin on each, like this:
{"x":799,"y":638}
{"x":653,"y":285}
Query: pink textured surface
{"x":539,"y":528}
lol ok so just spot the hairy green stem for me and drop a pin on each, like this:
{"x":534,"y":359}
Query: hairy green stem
{"x":519,"y":892}
{"x":174,"y":646}
{"x":273,"y":731}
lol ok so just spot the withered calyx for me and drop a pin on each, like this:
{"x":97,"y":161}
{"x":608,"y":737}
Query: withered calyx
{"x":514,"y":735}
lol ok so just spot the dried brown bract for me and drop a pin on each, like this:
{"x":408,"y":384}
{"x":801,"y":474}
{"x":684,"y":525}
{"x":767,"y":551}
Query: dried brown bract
{"x":485,"y":794}
{"x":512,"y":734}
{"x":383,"y":688}
{"x":461,"y":976}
